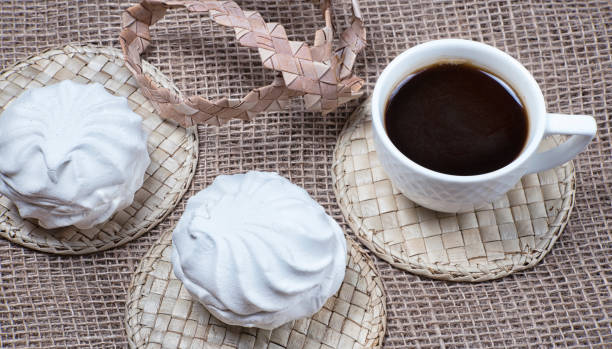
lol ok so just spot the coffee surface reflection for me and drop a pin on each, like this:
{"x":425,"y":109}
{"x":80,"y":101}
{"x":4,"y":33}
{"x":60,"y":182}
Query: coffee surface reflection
{"x":456,"y":119}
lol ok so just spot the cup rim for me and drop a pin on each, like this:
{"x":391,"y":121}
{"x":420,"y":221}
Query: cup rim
{"x":388,"y":76}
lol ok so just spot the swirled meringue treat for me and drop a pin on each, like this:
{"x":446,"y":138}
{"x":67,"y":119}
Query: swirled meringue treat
{"x":258,"y":251}
{"x":71,"y":154}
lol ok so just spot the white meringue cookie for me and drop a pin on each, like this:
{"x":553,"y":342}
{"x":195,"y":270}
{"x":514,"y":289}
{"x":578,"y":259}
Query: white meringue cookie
{"x":258,"y":251}
{"x":71,"y":154}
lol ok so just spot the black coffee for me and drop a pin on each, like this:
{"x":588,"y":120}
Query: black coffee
{"x":456,"y":119}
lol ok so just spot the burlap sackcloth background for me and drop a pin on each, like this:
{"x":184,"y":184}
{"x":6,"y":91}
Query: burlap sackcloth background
{"x":50,"y":301}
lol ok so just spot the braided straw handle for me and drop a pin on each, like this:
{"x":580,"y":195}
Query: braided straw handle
{"x":323,"y":77}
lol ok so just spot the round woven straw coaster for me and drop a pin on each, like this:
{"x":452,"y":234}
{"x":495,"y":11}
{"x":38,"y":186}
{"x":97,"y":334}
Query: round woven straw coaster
{"x":162,"y":314}
{"x":173,"y":150}
{"x":511,"y":234}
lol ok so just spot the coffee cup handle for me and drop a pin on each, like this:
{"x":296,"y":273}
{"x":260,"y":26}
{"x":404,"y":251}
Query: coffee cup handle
{"x":582,"y":129}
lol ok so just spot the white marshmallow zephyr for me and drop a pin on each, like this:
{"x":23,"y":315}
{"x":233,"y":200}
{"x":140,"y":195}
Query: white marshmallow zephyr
{"x":258,"y":251}
{"x":71,"y":154}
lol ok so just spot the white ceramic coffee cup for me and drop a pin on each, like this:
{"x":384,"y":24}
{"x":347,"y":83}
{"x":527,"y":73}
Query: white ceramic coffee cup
{"x":450,"y":193}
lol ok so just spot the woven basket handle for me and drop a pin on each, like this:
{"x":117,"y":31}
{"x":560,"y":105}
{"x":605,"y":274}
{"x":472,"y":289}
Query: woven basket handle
{"x":318,"y":73}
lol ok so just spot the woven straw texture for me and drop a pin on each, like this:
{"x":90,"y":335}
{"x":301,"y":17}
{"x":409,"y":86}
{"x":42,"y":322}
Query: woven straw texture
{"x":162,"y":314}
{"x":511,"y":234}
{"x":319,"y":73}
{"x":173,"y":151}
{"x":565,"y":301}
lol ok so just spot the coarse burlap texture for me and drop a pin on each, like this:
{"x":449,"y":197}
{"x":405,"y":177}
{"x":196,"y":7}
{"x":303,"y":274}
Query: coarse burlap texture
{"x":51,"y":301}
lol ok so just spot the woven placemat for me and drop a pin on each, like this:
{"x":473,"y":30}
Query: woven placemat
{"x":162,"y":314}
{"x":173,"y":151}
{"x":511,"y":234}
